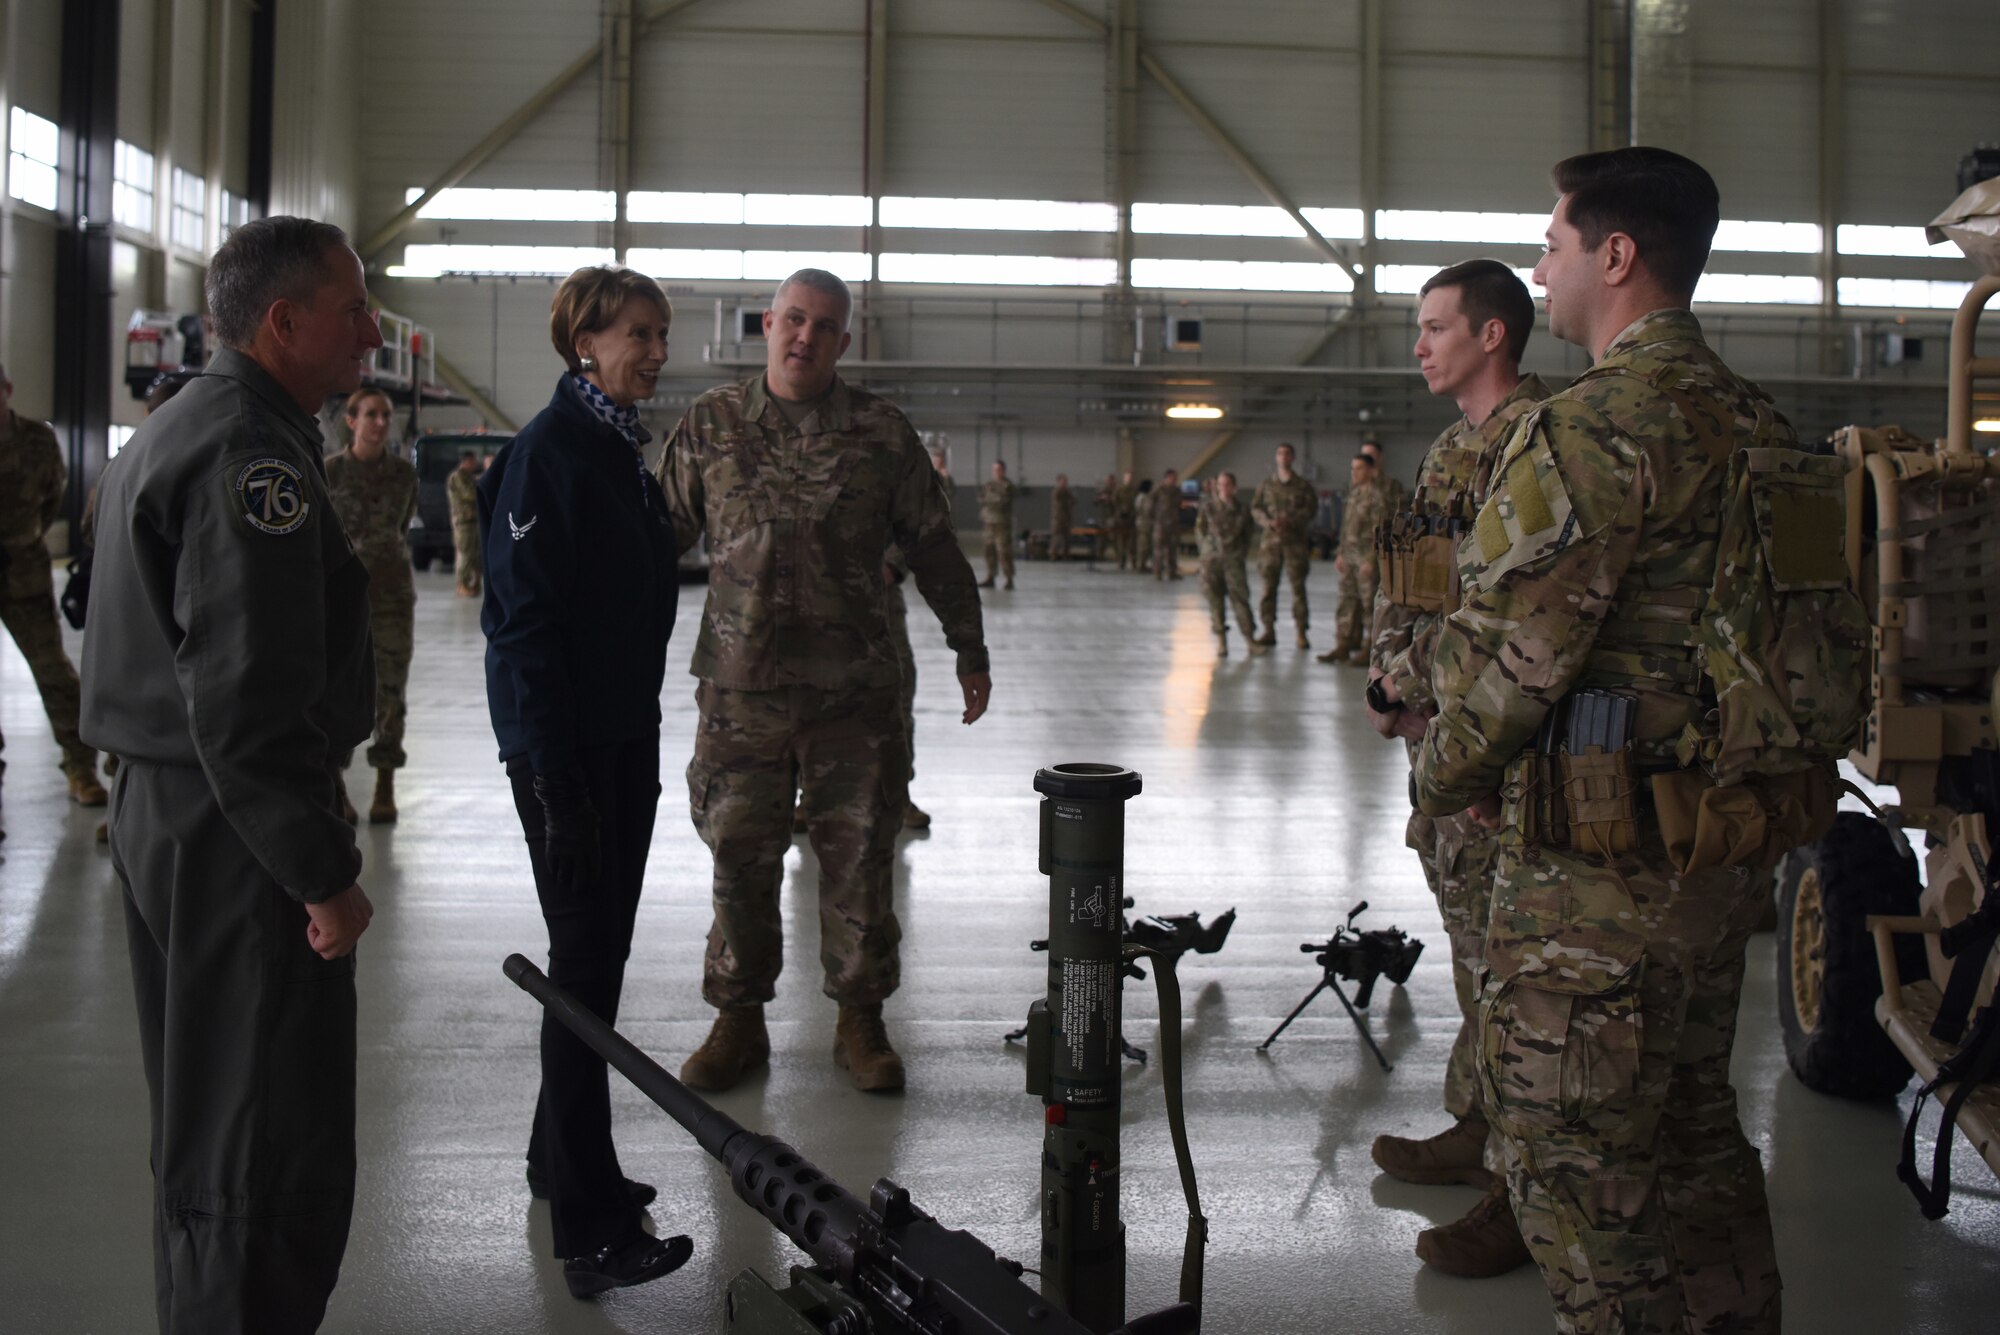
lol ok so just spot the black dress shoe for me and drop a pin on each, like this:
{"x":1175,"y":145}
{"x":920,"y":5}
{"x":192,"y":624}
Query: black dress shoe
{"x":642,"y":1194}
{"x":621,"y":1266}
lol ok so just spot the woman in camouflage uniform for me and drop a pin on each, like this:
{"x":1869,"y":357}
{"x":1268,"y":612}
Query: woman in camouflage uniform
{"x":376,"y":495}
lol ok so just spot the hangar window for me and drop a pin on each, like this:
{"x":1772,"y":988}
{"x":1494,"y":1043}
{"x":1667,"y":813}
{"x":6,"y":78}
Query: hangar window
{"x":421,"y":261}
{"x":1409,"y":279}
{"x":190,"y":225}
{"x":470,"y":204}
{"x":235,"y":212}
{"x":1921,"y":293}
{"x":1500,"y":229}
{"x":132,"y":186}
{"x":34,"y":151}
{"x":999,"y":215}
{"x":1000,"y":270}
{"x":1241,"y":275}
{"x":681,"y":206}
{"x":1782,"y":238}
{"x":1759,"y":289}
{"x":1866,"y":239}
{"x":851,"y":265}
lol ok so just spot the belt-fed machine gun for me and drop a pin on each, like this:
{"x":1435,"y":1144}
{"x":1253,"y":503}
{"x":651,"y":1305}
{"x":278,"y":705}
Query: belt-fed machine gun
{"x":1168,"y":934}
{"x":1361,"y":958}
{"x":879,"y":1266}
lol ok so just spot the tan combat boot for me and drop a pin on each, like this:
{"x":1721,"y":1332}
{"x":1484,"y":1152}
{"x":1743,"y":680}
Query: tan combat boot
{"x":915,"y":817}
{"x":1485,"y":1243}
{"x":861,"y":1048}
{"x":1454,"y":1155}
{"x":1304,"y":643}
{"x":86,"y":791}
{"x":736,"y":1042}
{"x":1269,"y":637}
{"x":1222,"y":644}
{"x":382,"y":811}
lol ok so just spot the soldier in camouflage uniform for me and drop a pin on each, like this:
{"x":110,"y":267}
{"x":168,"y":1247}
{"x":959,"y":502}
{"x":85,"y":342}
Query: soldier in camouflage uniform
{"x":1474,"y":321}
{"x":1367,"y":506}
{"x":801,"y":483}
{"x":1163,"y":526}
{"x":1222,"y":530}
{"x":376,"y":496}
{"x":1125,"y":522}
{"x":996,"y":517}
{"x":1062,"y":517}
{"x":461,"y":492}
{"x":32,"y":478}
{"x":1285,"y":506}
{"x":1610,"y":1002}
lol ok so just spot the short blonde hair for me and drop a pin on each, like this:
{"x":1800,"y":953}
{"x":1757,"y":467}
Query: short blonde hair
{"x":590,"y":299}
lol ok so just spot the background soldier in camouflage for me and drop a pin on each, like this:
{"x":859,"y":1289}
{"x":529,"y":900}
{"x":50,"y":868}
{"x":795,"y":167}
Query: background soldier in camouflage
{"x":1285,"y":506}
{"x":996,"y":516}
{"x":1163,"y":525}
{"x":1222,"y":530}
{"x":461,"y":491}
{"x":1125,"y":522}
{"x":896,"y":613}
{"x":1062,"y":517}
{"x":801,"y":483}
{"x":32,"y":478}
{"x":1610,"y":1004}
{"x":1367,"y":506}
{"x":376,"y":496}
{"x":1473,"y":325}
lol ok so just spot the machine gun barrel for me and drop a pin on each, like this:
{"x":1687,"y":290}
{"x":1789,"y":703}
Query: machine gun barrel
{"x":909,"y":1271}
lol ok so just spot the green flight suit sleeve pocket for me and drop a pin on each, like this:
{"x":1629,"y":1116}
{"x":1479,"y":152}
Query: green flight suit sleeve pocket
{"x":1561,"y":1022}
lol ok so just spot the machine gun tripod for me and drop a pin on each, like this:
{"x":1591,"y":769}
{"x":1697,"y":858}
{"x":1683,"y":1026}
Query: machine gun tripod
{"x":1360,"y":957}
{"x":1170,"y":934}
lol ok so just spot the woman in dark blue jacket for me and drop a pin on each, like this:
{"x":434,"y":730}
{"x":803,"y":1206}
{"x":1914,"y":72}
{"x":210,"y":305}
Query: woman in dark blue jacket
{"x":581,"y":588}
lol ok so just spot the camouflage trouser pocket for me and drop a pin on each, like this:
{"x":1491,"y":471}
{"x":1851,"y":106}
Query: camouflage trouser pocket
{"x":700,"y":777}
{"x":1561,"y":1026}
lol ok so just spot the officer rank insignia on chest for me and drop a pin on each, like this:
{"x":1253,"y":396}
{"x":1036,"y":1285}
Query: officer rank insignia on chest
{"x":272,"y":495}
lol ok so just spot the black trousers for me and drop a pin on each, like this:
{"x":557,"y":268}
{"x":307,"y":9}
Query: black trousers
{"x":590,"y":936}
{"x":249,"y":1043}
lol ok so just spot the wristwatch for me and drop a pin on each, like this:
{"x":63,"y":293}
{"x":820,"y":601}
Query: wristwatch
{"x":1378,"y":699}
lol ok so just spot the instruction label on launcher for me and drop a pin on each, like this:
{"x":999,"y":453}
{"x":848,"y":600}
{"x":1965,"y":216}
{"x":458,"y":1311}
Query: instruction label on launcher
{"x":1089,"y":1042}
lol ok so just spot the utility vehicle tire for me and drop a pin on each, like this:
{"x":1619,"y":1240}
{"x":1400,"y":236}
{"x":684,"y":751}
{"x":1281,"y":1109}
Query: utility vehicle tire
{"x":1828,"y":979}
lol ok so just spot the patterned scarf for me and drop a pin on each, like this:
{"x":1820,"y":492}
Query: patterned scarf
{"x":624,"y":420}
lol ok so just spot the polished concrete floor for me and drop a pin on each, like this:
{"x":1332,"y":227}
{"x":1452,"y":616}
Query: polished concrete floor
{"x":1264,"y":790}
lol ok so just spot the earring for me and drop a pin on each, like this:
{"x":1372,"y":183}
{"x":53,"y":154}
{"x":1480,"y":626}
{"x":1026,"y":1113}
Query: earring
{"x":587,"y":363}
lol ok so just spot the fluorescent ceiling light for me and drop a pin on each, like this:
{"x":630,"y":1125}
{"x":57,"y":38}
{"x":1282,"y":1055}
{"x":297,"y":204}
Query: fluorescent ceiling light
{"x":1987,"y":424}
{"x":1194,"y":412}
{"x":1241,"y":275}
{"x":999,"y":215}
{"x":1758,"y":289}
{"x":423,"y":261}
{"x":481,"y":205}
{"x":1902,"y":293}
{"x":1869,"y":239}
{"x":1001,"y":270}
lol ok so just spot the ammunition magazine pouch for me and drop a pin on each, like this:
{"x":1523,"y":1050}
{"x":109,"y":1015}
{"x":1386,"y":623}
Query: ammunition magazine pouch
{"x":1416,"y":571}
{"x":1601,"y":794}
{"x":1749,"y":824}
{"x":1532,"y":799}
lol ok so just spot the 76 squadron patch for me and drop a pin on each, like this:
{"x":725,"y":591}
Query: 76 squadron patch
{"x":272,"y":494}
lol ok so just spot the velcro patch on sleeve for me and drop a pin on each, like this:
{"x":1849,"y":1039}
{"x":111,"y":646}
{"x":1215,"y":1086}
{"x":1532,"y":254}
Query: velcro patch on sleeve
{"x":1531,"y":511}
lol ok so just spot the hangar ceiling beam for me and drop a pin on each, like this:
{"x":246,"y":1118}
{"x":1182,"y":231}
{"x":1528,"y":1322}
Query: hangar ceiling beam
{"x":1832,"y":156}
{"x":615,"y":116}
{"x":1209,"y":126}
{"x":503,"y":133}
{"x":874,"y":162}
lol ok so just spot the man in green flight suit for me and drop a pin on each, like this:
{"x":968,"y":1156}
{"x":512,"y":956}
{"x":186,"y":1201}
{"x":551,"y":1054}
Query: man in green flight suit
{"x":1610,"y":1001}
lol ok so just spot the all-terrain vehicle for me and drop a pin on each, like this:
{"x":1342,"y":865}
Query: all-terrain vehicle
{"x":1862,"y":966}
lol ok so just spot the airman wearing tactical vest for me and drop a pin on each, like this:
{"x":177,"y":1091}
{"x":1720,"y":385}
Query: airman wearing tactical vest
{"x":1656,"y":662}
{"x":1473,"y":323}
